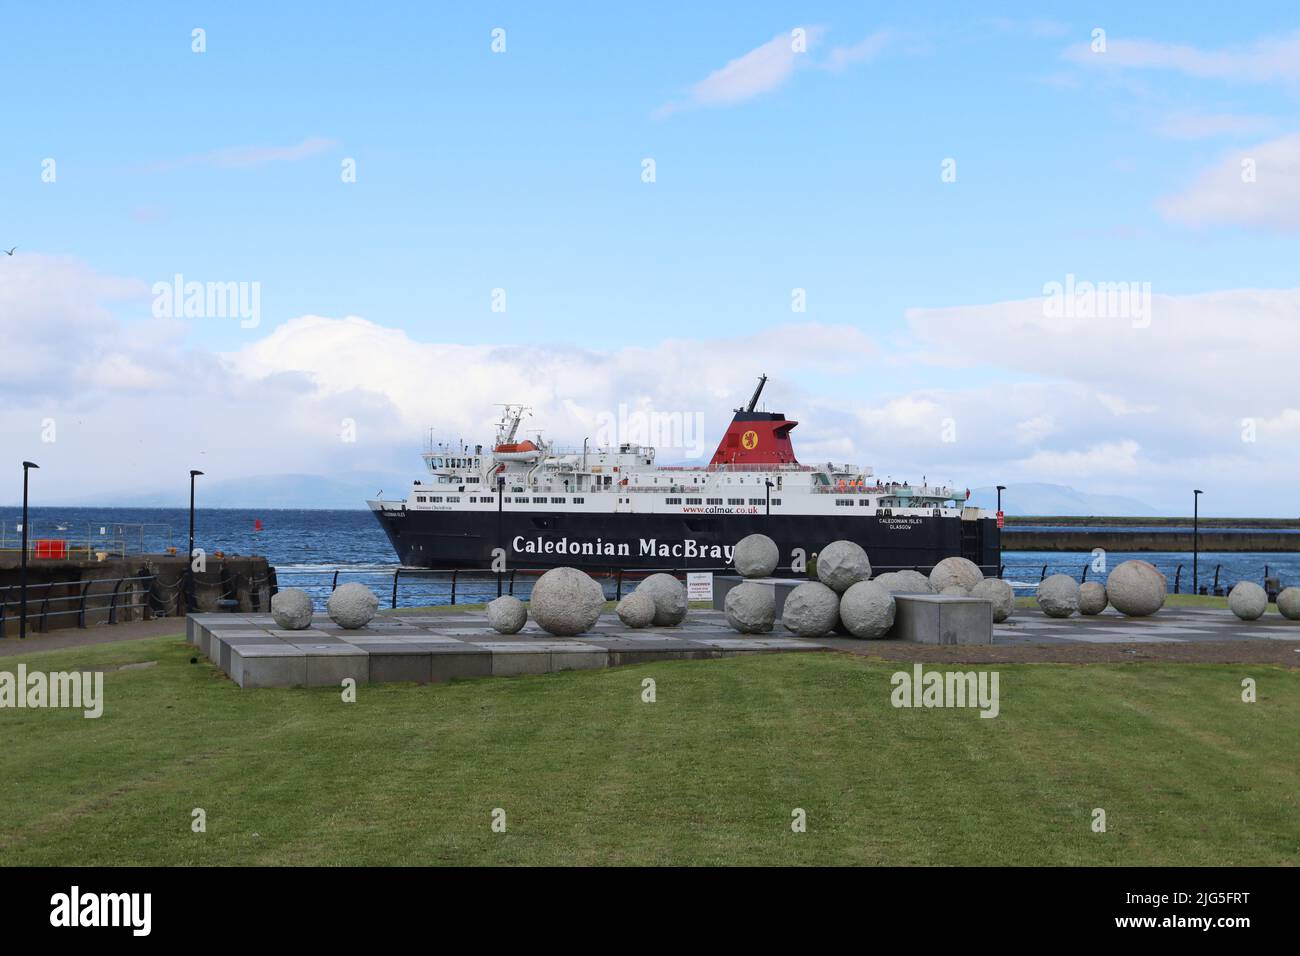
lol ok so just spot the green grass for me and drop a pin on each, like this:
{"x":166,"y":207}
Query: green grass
{"x":587,"y":773}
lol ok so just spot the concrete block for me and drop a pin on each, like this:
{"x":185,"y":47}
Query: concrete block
{"x":942,"y":619}
{"x":330,"y":668}
{"x":399,"y":662}
{"x":579,"y":658}
{"x":269,"y":665}
{"x":448,"y":663}
{"x":510,"y":659}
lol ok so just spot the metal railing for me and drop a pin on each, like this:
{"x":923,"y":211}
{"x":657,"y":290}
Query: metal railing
{"x":112,"y":538}
{"x":40,"y":597}
{"x":1174,"y":573}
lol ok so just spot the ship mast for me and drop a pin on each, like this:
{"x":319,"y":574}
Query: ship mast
{"x":753,"y":401}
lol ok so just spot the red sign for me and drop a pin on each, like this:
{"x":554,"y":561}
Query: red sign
{"x":999,"y":519}
{"x":53,"y":548}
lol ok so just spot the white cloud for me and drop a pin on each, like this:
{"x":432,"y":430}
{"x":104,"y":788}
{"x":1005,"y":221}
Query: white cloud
{"x":1211,"y":125}
{"x":242,"y":157}
{"x":865,"y":49}
{"x":761,"y":70}
{"x":1266,"y":61}
{"x":1257,"y":187}
{"x":1098,"y":404}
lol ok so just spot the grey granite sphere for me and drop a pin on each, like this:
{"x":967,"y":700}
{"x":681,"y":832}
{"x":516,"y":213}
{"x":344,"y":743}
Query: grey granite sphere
{"x":750,"y":608}
{"x":1058,"y":595}
{"x":1092,"y":598}
{"x":999,"y":593}
{"x":564,"y":602}
{"x":959,"y":571}
{"x":955,"y":590}
{"x":507,"y":614}
{"x":636,"y":610}
{"x":867,"y":610}
{"x":352,"y":605}
{"x":1247,"y":600}
{"x":292,"y":609}
{"x":1136,"y":588}
{"x":811,"y":610}
{"x":1288,"y":602}
{"x":842,"y":564}
{"x":756,"y":556}
{"x":669,"y":596}
{"x":904,"y":582}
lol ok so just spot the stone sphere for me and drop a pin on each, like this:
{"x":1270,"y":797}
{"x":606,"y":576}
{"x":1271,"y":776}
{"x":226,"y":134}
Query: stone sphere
{"x":841,"y":565}
{"x":564,"y":602}
{"x":955,"y":590}
{"x":999,"y":593}
{"x":1247,"y":600}
{"x":352,"y":605}
{"x":756,"y":556}
{"x":1092,"y":598}
{"x":1058,"y":595}
{"x":636,"y":610}
{"x":957,"y":571}
{"x":669,"y":596}
{"x":867,"y":610}
{"x":507,"y":614}
{"x":811,"y":610}
{"x":904,"y":582}
{"x":292,"y":609}
{"x":1136,"y":588}
{"x":1288,"y":602}
{"x":750,"y":608}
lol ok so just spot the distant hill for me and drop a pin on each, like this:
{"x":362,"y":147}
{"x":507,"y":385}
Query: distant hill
{"x":1044,"y":499}
{"x":271,"y":491}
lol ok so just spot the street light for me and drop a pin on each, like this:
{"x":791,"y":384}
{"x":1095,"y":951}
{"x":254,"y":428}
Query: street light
{"x":1001,"y":488}
{"x":768,"y":482}
{"x":189,"y":559}
{"x":22,"y":575}
{"x":1196,"y":539}
{"x":501,"y":490}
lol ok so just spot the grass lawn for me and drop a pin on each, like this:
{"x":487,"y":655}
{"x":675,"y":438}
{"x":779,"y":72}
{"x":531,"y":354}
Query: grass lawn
{"x":587,"y":773}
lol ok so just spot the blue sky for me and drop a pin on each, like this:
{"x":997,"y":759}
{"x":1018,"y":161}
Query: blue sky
{"x":522,"y":170}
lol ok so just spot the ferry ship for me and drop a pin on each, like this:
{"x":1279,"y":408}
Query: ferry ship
{"x":536,"y":507}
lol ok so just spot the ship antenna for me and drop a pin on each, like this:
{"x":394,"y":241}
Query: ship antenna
{"x":753,"y":401}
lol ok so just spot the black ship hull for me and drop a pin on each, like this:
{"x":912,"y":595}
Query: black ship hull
{"x":537,"y":540}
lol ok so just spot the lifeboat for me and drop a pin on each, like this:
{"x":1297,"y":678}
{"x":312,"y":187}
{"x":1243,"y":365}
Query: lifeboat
{"x":517,"y":451}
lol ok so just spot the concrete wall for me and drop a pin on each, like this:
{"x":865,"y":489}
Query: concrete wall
{"x":244,"y":578}
{"x":1064,"y":540}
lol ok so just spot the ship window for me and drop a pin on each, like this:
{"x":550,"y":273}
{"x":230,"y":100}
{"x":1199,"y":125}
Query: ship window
{"x":735,"y":501}
{"x":672,"y":501}
{"x":557,"y":501}
{"x":419,"y":497}
{"x":435,"y":498}
{"x":472,"y":499}
{"x":693,"y":501}
{"x":539,"y":501}
{"x":776,"y":501}
{"x":579,"y":501}
{"x":487,"y":499}
{"x":864,"y":502}
{"x":714,"y":501}
{"x":755,"y":501}
{"x":844,"y":501}
{"x":453,"y":498}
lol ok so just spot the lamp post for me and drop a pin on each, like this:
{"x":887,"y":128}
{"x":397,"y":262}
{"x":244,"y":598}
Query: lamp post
{"x":22,"y":574}
{"x":768,"y":482}
{"x":1001,"y":488}
{"x":189,"y":555}
{"x":501,"y":491}
{"x":1196,"y":539}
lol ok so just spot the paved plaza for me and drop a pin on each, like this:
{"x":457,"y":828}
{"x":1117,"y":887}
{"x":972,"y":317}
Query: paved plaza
{"x":254,"y":652}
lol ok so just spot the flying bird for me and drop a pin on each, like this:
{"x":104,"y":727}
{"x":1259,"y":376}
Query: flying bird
{"x":10,"y":252}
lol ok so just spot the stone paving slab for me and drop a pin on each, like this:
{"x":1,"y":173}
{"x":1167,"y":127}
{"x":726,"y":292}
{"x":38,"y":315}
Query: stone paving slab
{"x":255,"y":652}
